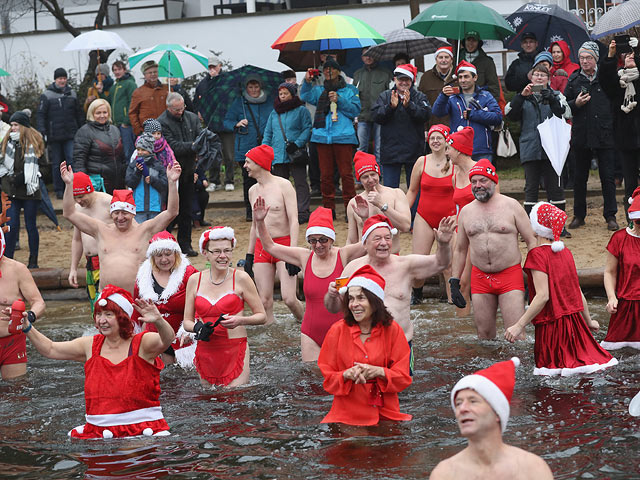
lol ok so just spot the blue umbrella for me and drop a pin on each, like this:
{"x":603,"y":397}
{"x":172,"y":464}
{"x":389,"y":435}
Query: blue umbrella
{"x":549,"y":23}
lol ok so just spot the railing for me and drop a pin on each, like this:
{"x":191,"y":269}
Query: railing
{"x":589,"y":11}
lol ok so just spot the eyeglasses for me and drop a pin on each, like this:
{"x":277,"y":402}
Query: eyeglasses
{"x":540,"y":75}
{"x":585,"y":58}
{"x":217,"y":252}
{"x":322,"y":240}
{"x":177,"y":109}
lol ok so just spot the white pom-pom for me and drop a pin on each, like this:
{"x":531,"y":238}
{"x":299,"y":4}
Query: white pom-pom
{"x":343,"y":290}
{"x":630,"y":200}
{"x":80,"y":429}
{"x":102,"y":302}
{"x":460,"y":127}
{"x":516,"y":361}
{"x":454,"y":76}
{"x":147,"y":432}
{"x":557,"y":246}
{"x":394,"y":231}
{"x":106,"y":433}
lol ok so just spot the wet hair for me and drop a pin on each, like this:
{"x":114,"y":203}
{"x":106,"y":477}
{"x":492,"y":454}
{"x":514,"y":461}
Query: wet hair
{"x":399,"y":56}
{"x":125,"y":326}
{"x":177,"y":263}
{"x":379,"y":313}
{"x":98,"y":102}
{"x":119,"y":64}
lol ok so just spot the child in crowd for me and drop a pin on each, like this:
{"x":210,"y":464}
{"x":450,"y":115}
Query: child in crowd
{"x":160,"y":147}
{"x":147,"y":177}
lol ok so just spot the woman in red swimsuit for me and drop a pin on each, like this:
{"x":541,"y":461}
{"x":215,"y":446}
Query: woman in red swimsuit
{"x":320,"y":266}
{"x":433,"y":175}
{"x":213,"y":310}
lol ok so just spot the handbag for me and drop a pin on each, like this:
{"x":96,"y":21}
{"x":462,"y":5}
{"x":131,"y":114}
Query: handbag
{"x":297,"y":155}
{"x":506,"y":146}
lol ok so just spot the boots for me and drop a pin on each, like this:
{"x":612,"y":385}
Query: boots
{"x":33,"y":261}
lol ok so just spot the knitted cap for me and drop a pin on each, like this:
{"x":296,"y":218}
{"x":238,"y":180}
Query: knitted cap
{"x":216,"y":233}
{"x":462,"y":140}
{"x":262,"y":155}
{"x":543,"y":56}
{"x":365,"y":162}
{"x":376,"y":221}
{"x":123,"y":200}
{"x":465,"y":66}
{"x":152,"y":125}
{"x":162,"y":241}
{"x":82,"y":184}
{"x":472,"y":34}
{"x":117,"y":295}
{"x":367,"y":278}
{"x":59,"y":72}
{"x":103,"y":69}
{"x":527,"y":35}
{"x":321,"y":223}
{"x":443,"y":129}
{"x":485,"y":168}
{"x":331,"y":62}
{"x":590,"y":48}
{"x":548,"y":221}
{"x":21,"y":118}
{"x":145,"y":142}
{"x":293,"y":88}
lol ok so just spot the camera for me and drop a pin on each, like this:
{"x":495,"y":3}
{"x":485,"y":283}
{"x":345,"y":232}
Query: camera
{"x":622,"y":44}
{"x":291,"y":147}
{"x":314,"y":72}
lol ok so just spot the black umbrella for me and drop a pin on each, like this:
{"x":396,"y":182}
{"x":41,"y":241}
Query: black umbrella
{"x":549,"y":23}
{"x":46,"y":206}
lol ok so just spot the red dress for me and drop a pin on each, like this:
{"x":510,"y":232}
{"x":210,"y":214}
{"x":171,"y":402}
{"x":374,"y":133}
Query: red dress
{"x":365,"y":404}
{"x":220,"y":360}
{"x":624,"y":325}
{"x":123,"y":399}
{"x":462,"y":196}
{"x":436,"y":197}
{"x":564,"y":345}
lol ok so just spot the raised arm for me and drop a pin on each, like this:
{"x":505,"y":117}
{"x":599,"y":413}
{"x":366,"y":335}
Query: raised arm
{"x":333,"y":299}
{"x":78,"y":350}
{"x":84,"y":223}
{"x":153,"y":344}
{"x":424,"y":266}
{"x":160,"y":221}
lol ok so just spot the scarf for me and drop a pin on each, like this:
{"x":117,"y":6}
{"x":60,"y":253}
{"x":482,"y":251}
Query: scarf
{"x":471,"y":56}
{"x":282,"y":107}
{"x":259,"y":99}
{"x":164,"y":152}
{"x":30,"y":169}
{"x":627,"y":77}
{"x":322,"y":109}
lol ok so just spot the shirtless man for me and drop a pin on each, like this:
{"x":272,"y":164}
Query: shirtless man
{"x":481,"y":406}
{"x":96,"y":205}
{"x":399,"y":272}
{"x":489,"y":227}
{"x":375,"y":199}
{"x":122,"y":245}
{"x":15,"y":282}
{"x":282,"y":223}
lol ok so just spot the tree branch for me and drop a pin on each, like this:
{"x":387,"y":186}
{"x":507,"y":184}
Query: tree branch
{"x":54,"y":9}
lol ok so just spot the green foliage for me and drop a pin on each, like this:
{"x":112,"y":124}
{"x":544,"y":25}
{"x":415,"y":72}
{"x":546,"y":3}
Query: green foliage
{"x":26,"y":95}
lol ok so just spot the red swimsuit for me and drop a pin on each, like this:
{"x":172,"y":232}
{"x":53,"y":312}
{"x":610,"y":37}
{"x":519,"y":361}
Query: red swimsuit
{"x":436,"y":197}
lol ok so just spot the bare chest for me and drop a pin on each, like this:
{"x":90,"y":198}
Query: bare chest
{"x":489,"y":223}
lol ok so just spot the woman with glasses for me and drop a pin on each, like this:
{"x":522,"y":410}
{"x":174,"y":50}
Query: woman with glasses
{"x":321,"y":265}
{"x":213,"y":311}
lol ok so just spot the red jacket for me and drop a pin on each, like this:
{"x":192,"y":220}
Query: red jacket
{"x":559,"y":81}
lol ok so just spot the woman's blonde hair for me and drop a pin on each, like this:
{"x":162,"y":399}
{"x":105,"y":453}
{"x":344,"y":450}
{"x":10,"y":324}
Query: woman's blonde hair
{"x":98,"y":102}
{"x":28,"y":136}
{"x":175,"y":265}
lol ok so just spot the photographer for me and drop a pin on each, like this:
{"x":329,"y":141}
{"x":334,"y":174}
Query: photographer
{"x":531,"y":107}
{"x":621,"y":86}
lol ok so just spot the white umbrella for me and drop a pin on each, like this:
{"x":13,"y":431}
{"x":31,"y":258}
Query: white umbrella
{"x":634,"y":406}
{"x":96,"y":40}
{"x":555,"y":135}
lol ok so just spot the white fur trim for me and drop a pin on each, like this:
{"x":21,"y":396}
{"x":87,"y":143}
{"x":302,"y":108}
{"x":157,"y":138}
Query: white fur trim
{"x":393,"y":231}
{"x":144,"y":280}
{"x":489,"y":391}
{"x":537,"y":228}
{"x":565,"y":372}
{"x":224,"y":233}
{"x":367,"y":284}
{"x":186,"y":355}
{"x":557,"y":246}
{"x":468,"y":69}
{"x":106,"y":433}
{"x":442,"y":49}
{"x":405,"y":72}
{"x":148,"y":414}
{"x":127,"y":207}
{"x":160,"y":245}
{"x":630,"y":200}
{"x":326,"y":231}
{"x":634,"y":215}
{"x":147,"y":432}
{"x":618,"y":345}
{"x":119,"y":300}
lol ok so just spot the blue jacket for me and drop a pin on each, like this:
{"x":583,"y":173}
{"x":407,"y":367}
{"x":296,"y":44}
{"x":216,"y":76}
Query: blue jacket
{"x":238,"y":110}
{"x":59,"y":114}
{"x":297,"y":126}
{"x":480,"y":119}
{"x":148,"y":196}
{"x":341,"y":131}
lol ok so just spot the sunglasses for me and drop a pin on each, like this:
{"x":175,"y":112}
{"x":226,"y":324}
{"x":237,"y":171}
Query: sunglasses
{"x":322,"y":240}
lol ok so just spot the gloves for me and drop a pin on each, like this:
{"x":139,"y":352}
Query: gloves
{"x":456,"y":296}
{"x":292,"y":269}
{"x":633,"y":42}
{"x":203,"y":330}
{"x":546,"y":94}
{"x":248,"y":264}
{"x":561,"y":73}
{"x":291,"y":147}
{"x":145,"y":169}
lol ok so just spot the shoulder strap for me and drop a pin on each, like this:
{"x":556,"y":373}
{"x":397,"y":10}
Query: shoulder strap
{"x":282,"y":128}
{"x":234,"y":280}
{"x":96,"y":346}
{"x":424,"y":164}
{"x":253,"y":118}
{"x":199,"y":278}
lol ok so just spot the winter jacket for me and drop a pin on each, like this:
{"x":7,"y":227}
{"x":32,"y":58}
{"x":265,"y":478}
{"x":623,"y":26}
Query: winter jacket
{"x":517,"y":76}
{"x":59,"y":114}
{"x":120,"y":98}
{"x":97,"y":150}
{"x":188,"y":104}
{"x":487,"y":74}
{"x":370,"y":82}
{"x":560,"y":71}
{"x":208,"y":147}
{"x":297,"y":126}
{"x":593,"y":122}
{"x":238,"y":110}
{"x":626,"y":126}
{"x":147,"y":102}
{"x":148,"y":196}
{"x":531,"y":111}
{"x":13,"y":183}
{"x":402,"y":129}
{"x":342,"y":131}
{"x":92,"y":91}
{"x":431,"y":84}
{"x":180,"y":133}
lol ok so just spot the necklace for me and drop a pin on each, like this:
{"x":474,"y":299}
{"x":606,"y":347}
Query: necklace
{"x":221,"y":281}
{"x":365,"y":333}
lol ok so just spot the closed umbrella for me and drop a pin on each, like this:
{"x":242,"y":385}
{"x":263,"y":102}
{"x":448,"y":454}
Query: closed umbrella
{"x":174,"y":61}
{"x":405,"y":40}
{"x":555,"y":135}
{"x":618,"y":19}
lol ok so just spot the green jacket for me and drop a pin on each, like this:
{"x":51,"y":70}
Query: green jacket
{"x":370,"y":84}
{"x":120,"y":98}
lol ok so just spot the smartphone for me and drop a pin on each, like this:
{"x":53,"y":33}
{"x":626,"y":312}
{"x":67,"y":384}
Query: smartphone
{"x":537,"y":88}
{"x":456,"y":90}
{"x":584,"y":90}
{"x":622,"y":44}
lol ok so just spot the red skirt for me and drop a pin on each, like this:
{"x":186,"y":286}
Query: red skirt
{"x":624,"y":326}
{"x":566,"y":347}
{"x":220,"y":360}
{"x":152,"y":428}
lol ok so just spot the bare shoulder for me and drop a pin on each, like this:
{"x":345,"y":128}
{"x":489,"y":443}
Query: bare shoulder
{"x":510,"y":202}
{"x":531,"y":465}
{"x":448,"y":468}
{"x":284,"y":183}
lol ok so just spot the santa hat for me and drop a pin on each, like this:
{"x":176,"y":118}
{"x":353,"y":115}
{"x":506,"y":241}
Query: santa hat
{"x":262,"y":155}
{"x":406,"y":70}
{"x":365,"y":162}
{"x":443,"y":129}
{"x":117,"y":295}
{"x":548,"y":221}
{"x":81,"y":184}
{"x":465,"y":66}
{"x":162,"y":241}
{"x":321,"y":223}
{"x":123,"y":200}
{"x":367,"y":278}
{"x":495,"y":384}
{"x":216,"y":233}
{"x":462,"y":140}
{"x":376,"y":221}
{"x":634,"y":209}
{"x":485,"y":168}
{"x":445,"y":49}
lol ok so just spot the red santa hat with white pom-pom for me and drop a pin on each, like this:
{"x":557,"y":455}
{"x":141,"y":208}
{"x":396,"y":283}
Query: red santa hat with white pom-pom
{"x":366,"y":277}
{"x":634,"y":209}
{"x":321,"y":223}
{"x":217,"y":233}
{"x":376,"y":221}
{"x":495,"y":384}
{"x":548,"y":221}
{"x":162,"y":241}
{"x":117,"y":295}
{"x":122,"y":200}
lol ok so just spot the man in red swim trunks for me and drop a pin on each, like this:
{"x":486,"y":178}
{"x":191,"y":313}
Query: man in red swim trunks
{"x":489,"y":226}
{"x":282,"y":223}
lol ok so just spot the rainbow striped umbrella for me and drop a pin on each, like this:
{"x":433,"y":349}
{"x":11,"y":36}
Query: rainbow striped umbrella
{"x":327,"y":32}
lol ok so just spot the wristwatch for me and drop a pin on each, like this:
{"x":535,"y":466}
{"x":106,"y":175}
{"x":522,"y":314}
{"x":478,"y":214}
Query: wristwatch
{"x":384,"y":207}
{"x":31,"y":316}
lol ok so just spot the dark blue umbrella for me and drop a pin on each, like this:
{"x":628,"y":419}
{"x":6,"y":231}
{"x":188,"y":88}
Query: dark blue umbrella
{"x":46,"y":206}
{"x":549,"y":23}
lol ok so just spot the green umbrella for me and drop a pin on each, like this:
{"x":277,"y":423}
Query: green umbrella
{"x":174,"y":61}
{"x":4,"y":73}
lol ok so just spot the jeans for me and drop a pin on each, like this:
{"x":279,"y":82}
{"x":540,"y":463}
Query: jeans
{"x":391,"y":173}
{"x":58,"y":152}
{"x":227,"y":140}
{"x":342,"y":155}
{"x":144,"y":216}
{"x":365,"y":130}
{"x":314,"y":167}
{"x":30,"y":210}
{"x":183,"y":220}
{"x":533,"y":171}
{"x":631,"y":170}
{"x":606,"y":169}
{"x":299,"y":174}
{"x":479,"y":156}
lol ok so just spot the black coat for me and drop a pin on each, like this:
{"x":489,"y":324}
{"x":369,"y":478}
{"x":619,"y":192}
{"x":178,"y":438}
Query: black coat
{"x":97,"y":149}
{"x":517,"y":76}
{"x":626,"y":126}
{"x":592,"y":123}
{"x":59,"y":115}
{"x":402,"y":129}
{"x":180,"y":133}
